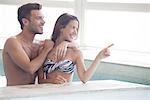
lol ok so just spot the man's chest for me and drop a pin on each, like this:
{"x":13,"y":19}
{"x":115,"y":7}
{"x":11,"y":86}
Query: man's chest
{"x":31,"y":50}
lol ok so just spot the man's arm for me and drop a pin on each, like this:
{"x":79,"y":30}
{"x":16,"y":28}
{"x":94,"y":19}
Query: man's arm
{"x":21,"y":59}
{"x":61,"y":49}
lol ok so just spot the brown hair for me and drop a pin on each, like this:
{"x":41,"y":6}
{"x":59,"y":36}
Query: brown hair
{"x":61,"y":22}
{"x":25,"y":11}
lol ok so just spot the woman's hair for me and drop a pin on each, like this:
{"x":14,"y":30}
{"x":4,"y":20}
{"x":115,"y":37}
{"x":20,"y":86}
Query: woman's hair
{"x":62,"y":22}
{"x":25,"y":11}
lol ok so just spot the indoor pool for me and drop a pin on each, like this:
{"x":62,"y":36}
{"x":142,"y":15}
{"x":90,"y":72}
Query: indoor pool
{"x":107,"y":71}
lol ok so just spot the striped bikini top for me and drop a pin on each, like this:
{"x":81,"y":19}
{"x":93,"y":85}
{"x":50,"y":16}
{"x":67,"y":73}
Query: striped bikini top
{"x":66,"y":66}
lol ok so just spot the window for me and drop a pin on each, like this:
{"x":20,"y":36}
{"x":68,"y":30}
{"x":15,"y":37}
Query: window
{"x":10,"y":26}
{"x":127,"y":30}
{"x":122,"y":22}
{"x":121,"y":1}
{"x":51,"y":14}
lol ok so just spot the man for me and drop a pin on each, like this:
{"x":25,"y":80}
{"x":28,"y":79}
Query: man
{"x":20,"y":55}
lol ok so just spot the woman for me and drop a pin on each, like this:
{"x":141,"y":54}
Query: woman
{"x":60,"y":70}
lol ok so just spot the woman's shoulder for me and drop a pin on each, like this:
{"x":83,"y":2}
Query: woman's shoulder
{"x":75,"y":51}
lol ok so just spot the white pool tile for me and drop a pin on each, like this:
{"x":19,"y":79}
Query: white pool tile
{"x":51,"y":91}
{"x":2,"y":81}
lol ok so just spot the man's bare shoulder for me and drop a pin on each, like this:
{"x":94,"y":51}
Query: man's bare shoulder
{"x":11,"y":39}
{"x":10,"y":42}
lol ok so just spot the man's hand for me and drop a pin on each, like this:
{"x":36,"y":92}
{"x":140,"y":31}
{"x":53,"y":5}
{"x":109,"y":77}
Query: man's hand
{"x":61,"y":50}
{"x":60,"y":80}
{"x":57,"y":80}
{"x":48,"y":44}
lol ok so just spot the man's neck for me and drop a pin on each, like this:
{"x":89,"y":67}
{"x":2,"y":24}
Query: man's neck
{"x":27,"y":36}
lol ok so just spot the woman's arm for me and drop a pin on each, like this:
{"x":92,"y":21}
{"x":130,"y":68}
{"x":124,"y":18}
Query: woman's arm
{"x":84,"y":74}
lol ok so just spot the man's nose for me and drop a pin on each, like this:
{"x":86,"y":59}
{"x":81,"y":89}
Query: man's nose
{"x":43,"y":22}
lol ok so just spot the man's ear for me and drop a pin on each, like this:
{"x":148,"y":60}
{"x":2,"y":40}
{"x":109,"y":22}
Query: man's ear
{"x":25,"y":21}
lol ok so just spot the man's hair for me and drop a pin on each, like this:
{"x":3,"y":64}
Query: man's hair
{"x":25,"y":11}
